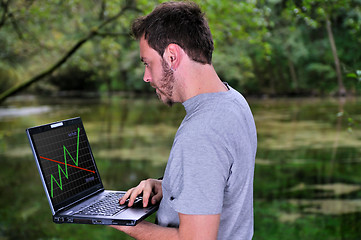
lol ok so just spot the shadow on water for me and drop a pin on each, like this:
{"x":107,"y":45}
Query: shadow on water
{"x":307,"y":177}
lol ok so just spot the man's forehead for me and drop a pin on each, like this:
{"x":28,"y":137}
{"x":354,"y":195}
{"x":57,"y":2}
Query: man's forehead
{"x":144,"y":49}
{"x":143,"y":44}
{"x":147,"y":53}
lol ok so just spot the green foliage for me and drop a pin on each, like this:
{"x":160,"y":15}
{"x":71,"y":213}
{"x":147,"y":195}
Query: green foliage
{"x":356,"y":75}
{"x":236,"y":38}
{"x":73,"y":79}
{"x":8,"y":76}
{"x":265,"y":46}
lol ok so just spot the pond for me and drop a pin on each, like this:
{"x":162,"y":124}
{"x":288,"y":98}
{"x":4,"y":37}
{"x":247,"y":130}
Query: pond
{"x":307,"y":177}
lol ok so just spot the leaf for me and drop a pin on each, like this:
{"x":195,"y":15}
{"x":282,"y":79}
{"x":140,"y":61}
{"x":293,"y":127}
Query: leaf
{"x":351,"y":75}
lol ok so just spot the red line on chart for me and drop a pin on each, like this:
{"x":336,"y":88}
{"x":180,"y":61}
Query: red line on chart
{"x":67,"y":164}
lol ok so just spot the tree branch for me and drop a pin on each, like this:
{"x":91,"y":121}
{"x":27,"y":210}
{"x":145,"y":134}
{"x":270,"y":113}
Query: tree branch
{"x":27,"y":83}
{"x":115,"y":34}
{"x":5,"y":6}
{"x":16,"y":27}
{"x":93,"y":32}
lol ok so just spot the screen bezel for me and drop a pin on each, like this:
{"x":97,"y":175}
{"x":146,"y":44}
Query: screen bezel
{"x":79,"y":196}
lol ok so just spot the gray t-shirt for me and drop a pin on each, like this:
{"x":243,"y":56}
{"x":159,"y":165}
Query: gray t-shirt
{"x":211,"y":164}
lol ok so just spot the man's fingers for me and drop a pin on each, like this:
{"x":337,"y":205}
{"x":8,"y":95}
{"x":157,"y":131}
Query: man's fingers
{"x":133,"y":196}
{"x":136,"y":192}
{"x":125,"y":196}
{"x":146,"y":187}
{"x":156,"y":198}
{"x":147,"y":193}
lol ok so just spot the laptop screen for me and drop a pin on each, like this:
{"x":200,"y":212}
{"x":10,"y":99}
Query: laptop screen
{"x":66,"y":162}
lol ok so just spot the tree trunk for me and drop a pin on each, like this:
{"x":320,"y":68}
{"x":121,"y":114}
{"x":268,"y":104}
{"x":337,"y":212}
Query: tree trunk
{"x":341,"y":88}
{"x":291,"y":67}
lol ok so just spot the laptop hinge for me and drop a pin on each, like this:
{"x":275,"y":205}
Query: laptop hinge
{"x":79,"y":200}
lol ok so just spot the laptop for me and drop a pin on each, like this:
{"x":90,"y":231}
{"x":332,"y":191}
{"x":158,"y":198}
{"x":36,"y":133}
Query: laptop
{"x":71,"y":179}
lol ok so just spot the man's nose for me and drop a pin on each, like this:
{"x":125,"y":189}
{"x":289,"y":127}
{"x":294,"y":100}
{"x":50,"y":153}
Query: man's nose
{"x":147,"y":76}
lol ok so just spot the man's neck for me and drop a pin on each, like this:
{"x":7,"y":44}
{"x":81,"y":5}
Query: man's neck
{"x":199,"y":79}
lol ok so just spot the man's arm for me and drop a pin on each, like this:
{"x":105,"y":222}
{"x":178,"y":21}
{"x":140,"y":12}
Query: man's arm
{"x":191,"y":227}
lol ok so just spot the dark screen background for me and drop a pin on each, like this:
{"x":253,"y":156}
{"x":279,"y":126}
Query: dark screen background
{"x":56,"y":145}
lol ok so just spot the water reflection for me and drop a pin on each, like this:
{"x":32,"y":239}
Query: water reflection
{"x":308,"y":172}
{"x":12,"y":112}
{"x":307,"y":177}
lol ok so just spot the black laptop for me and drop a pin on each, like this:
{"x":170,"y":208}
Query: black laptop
{"x":71,"y":179}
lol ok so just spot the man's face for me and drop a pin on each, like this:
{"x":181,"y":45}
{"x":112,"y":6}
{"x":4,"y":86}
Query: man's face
{"x":157,"y":73}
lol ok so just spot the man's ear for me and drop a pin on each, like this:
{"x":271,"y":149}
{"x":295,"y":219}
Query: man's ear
{"x":173,"y":55}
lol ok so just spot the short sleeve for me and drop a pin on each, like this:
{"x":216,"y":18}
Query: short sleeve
{"x":196,"y":175}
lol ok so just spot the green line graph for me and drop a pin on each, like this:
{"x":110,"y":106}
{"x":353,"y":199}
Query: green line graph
{"x":61,"y":170}
{"x":60,"y":184}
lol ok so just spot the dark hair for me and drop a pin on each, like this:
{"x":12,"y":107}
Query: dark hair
{"x":182,"y":23}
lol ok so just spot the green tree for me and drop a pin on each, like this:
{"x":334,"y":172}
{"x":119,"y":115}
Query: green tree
{"x":239,"y":30}
{"x":264,"y":46}
{"x":323,"y":12}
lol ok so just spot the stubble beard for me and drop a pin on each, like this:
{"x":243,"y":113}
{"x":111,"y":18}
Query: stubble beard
{"x":166,"y":84}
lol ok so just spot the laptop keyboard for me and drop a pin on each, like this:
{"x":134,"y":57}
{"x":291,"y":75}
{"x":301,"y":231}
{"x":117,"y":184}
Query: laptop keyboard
{"x":107,"y":206}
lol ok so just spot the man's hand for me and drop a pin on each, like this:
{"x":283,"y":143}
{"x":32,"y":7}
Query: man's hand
{"x":151,"y":189}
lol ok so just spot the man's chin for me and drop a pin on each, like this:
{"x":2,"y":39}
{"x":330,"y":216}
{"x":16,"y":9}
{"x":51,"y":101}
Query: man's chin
{"x":165,"y":100}
{"x":169,"y":103}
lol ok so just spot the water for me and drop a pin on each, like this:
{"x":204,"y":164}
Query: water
{"x":307,"y":177}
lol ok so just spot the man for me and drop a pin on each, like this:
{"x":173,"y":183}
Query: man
{"x":207,"y":189}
